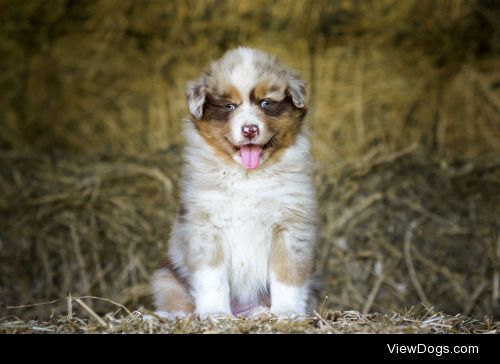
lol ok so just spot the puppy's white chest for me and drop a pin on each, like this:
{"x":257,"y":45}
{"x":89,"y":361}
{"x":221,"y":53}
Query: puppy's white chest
{"x":245,"y":219}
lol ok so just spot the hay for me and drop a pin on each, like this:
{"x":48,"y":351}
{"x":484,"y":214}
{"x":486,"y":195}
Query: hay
{"x":396,"y":230}
{"x":121,"y":320}
{"x":83,"y":226}
{"x":400,"y":229}
{"x":109,"y":76}
{"x":404,"y":106}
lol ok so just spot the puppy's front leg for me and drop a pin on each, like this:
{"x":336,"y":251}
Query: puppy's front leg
{"x":291,"y":266}
{"x":210,"y":289}
{"x":208,"y":274}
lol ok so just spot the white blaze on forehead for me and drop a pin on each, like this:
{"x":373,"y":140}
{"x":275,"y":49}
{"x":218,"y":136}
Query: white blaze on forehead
{"x":245,"y":75}
{"x":244,"y":69}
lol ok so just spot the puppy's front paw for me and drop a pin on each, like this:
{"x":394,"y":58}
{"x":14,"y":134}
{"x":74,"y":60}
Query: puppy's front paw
{"x":205,"y":313}
{"x":170,"y":315}
{"x":287,"y":301}
{"x":215,"y":317}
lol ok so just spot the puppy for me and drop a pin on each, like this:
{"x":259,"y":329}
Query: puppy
{"x":244,"y":236}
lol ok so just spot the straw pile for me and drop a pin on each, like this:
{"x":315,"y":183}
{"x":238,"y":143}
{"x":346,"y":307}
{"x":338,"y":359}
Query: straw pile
{"x":141,"y":321}
{"x":404,"y":112}
{"x":89,"y":226}
{"x":399,"y":229}
{"x":396,"y":230}
{"x":109,"y":76}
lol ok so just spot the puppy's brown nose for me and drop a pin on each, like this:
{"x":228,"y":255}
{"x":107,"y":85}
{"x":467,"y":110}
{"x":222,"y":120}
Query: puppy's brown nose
{"x":250,"y":131}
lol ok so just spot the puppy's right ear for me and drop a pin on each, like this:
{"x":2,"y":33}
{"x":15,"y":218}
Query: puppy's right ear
{"x":196,"y":94}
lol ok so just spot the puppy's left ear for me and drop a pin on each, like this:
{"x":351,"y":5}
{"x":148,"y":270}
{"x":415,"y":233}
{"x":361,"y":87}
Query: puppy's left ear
{"x":196,"y":94}
{"x":297,"y":90}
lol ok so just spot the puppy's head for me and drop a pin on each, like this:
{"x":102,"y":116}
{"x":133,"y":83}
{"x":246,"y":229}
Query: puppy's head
{"x":248,"y":107}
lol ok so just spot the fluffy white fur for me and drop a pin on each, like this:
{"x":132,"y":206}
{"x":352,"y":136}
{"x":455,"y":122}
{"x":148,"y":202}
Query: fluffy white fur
{"x":244,"y":207}
{"x":236,"y":210}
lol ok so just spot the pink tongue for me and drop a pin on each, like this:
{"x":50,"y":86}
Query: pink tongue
{"x":250,"y":155}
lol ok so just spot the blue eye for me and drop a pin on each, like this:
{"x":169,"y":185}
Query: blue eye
{"x":229,"y":107}
{"x":264,"y":104}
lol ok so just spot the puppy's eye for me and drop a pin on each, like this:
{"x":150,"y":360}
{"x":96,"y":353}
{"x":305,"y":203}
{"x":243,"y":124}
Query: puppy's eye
{"x":229,"y":107}
{"x":264,"y":104}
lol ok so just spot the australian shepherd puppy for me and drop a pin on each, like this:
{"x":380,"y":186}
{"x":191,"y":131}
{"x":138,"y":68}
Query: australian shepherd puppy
{"x":244,"y":235}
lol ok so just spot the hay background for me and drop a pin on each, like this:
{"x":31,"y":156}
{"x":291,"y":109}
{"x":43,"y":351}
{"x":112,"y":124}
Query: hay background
{"x":404,"y":110}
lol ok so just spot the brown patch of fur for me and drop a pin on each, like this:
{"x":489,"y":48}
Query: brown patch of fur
{"x":214,"y":124}
{"x":277,"y":108}
{"x":214,"y":103}
{"x":262,"y":90}
{"x":214,"y":131}
{"x":291,"y":267}
{"x":213,"y":111}
{"x":282,"y":118}
{"x":181,"y":302}
{"x":285,"y":126}
{"x":175,"y":294}
{"x":232,"y":94}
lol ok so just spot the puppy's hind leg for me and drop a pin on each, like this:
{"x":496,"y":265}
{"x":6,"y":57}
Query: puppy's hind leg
{"x":291,"y":266}
{"x":171,"y":294}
